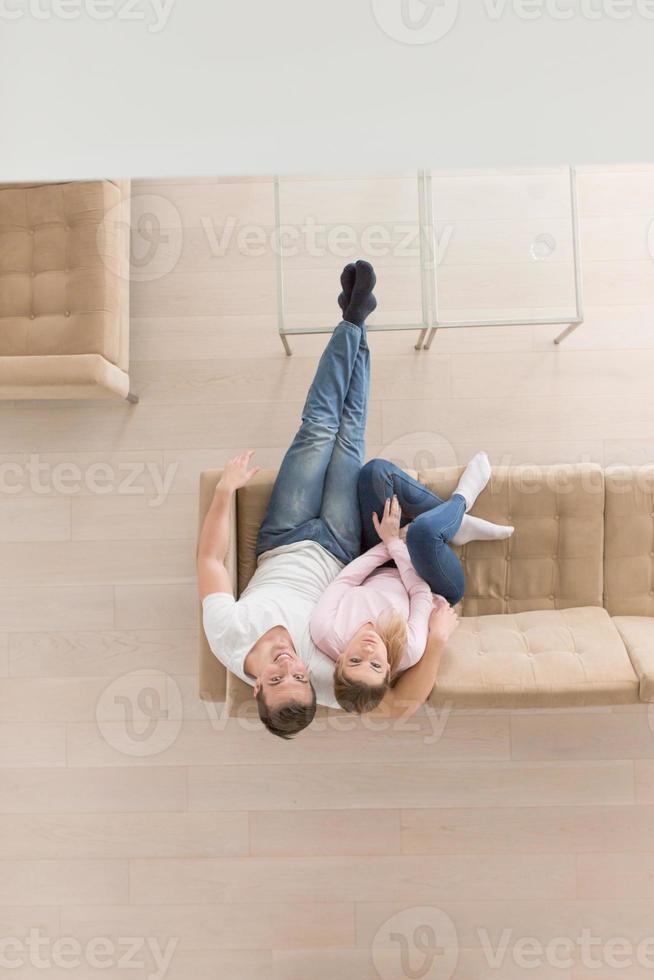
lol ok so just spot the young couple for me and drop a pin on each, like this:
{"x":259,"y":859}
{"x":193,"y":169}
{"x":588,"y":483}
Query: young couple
{"x":307,"y":630}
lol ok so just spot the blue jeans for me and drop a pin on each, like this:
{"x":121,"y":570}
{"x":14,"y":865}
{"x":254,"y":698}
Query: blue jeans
{"x":315,"y":493}
{"x":433,"y":523}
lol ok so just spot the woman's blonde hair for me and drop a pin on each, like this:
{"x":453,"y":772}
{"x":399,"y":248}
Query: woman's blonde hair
{"x":360,"y":697}
{"x":391,"y":627}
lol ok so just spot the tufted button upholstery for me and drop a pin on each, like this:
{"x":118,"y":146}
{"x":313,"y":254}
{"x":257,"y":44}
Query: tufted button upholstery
{"x":629,"y":564}
{"x":536,"y":659}
{"x":64,"y":280}
{"x":556,"y":551}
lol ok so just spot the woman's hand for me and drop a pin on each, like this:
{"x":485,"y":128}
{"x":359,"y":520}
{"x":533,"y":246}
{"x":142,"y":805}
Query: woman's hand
{"x":443,"y":621}
{"x":388,"y":528}
{"x":237,"y":472}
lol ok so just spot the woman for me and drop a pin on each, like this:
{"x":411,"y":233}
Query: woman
{"x":373,"y":621}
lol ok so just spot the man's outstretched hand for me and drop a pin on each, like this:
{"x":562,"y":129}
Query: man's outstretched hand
{"x":237,"y":472}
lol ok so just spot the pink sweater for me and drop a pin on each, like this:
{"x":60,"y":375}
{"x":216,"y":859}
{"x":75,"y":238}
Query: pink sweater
{"x":363,"y":591}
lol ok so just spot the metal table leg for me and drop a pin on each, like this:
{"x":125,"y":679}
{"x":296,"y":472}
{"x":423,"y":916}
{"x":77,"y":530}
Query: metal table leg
{"x":432,"y":334}
{"x":566,"y":333}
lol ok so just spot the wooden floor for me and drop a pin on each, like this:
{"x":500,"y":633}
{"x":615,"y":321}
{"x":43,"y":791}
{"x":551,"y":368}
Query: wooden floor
{"x":130,"y":809}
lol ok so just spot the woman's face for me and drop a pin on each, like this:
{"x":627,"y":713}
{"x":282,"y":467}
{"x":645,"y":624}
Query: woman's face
{"x":365,"y":658}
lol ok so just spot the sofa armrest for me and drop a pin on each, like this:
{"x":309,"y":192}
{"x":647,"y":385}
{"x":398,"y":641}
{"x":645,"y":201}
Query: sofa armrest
{"x":637,"y":634}
{"x":212,"y":674}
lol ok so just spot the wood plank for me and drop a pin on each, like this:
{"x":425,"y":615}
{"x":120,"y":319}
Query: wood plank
{"x":224,"y":926}
{"x":36,"y":744}
{"x":165,"y":607}
{"x":520,"y":830}
{"x":582,"y":736}
{"x":92,"y":790}
{"x":324,"y":832}
{"x":620,"y":874}
{"x":28,"y":519}
{"x":239,"y":742}
{"x":350,"y":879}
{"x":56,"y":607}
{"x":339,"y":786}
{"x":115,"y":836}
{"x":63,"y":882}
{"x":100,"y":654}
{"x":86,"y":562}
{"x":135,"y":518}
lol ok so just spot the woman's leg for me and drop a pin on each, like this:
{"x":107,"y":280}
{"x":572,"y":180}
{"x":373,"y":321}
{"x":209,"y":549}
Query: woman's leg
{"x":380,"y":479}
{"x":427,"y":542}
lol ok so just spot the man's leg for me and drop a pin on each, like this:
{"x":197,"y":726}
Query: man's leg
{"x":340,"y":508}
{"x":298,"y":492}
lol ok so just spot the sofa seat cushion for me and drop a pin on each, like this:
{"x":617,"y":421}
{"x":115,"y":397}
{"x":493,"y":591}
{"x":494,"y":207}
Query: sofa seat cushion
{"x":83,"y":333}
{"x":637,"y":633}
{"x":548,"y":658}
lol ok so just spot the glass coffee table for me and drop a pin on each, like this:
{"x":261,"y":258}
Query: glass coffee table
{"x":451,"y":249}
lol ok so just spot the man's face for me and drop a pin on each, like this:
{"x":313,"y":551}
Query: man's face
{"x":282,"y":676}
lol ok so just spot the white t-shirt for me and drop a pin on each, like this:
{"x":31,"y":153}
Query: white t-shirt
{"x":283,"y":591}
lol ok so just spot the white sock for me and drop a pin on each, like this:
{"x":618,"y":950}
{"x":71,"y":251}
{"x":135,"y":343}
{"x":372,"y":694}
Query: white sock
{"x":476,"y":529}
{"x":475,"y":477}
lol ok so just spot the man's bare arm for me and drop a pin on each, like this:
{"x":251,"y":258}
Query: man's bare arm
{"x":213,"y":544}
{"x":414,"y":686}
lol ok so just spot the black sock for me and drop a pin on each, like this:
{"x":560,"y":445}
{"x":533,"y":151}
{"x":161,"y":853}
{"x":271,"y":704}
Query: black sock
{"x":362,"y":301}
{"x":348,"y":275}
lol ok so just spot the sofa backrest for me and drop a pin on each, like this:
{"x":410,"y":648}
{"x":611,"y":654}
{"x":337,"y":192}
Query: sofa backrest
{"x":629,"y":547}
{"x":555,"y":558}
{"x":64,"y":269}
{"x":251,"y":510}
{"x":213,"y":676}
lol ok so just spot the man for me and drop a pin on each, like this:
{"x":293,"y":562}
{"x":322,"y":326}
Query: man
{"x":311,"y":529}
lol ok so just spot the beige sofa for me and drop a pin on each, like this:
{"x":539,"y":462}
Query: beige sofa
{"x":64,"y":290}
{"x":562,"y":614}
